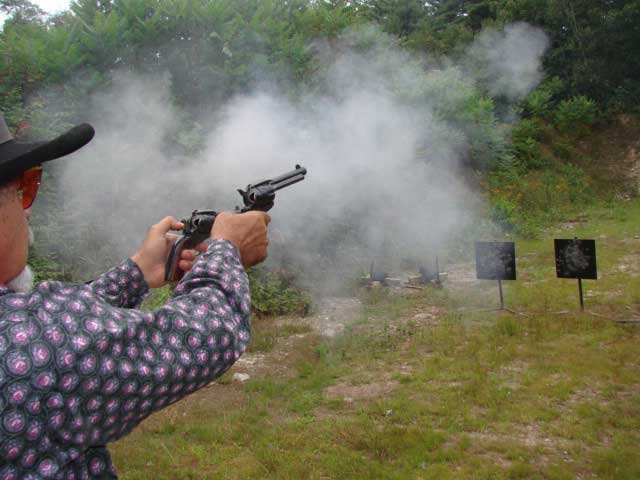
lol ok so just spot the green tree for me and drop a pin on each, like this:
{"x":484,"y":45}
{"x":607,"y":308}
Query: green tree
{"x":595,"y":45}
{"x":21,"y":11}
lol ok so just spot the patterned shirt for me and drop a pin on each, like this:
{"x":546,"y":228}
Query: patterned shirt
{"x":80,"y":367}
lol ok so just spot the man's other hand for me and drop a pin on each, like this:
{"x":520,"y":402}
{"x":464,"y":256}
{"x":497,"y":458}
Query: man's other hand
{"x":154,"y":252}
{"x":247,"y":231}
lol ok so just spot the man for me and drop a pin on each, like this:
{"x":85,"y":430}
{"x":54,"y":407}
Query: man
{"x":79,"y":365}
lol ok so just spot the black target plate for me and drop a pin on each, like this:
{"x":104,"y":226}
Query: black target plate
{"x":495,"y":260}
{"x":576,"y":258}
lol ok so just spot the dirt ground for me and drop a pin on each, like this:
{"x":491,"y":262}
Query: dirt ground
{"x":330,"y":318}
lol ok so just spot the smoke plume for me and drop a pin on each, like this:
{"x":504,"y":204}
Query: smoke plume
{"x":385,"y":161}
{"x":511,"y":59}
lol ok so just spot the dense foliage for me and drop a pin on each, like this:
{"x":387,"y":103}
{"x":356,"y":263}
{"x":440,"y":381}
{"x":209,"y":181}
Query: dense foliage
{"x":214,"y":48}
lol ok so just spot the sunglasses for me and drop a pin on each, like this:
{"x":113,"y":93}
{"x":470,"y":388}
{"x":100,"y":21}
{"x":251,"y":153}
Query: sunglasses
{"x":29,"y":184}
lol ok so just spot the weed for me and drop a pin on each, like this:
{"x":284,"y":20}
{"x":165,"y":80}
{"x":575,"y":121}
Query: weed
{"x":273,"y":295}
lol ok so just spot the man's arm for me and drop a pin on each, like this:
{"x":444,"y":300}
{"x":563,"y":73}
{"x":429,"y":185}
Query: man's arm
{"x":123,"y":286}
{"x":126,"y":285}
{"x":157,"y":358}
{"x":161,"y":356}
{"x":101,"y":369}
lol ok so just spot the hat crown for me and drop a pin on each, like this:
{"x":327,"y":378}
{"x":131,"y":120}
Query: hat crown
{"x":5,"y":134}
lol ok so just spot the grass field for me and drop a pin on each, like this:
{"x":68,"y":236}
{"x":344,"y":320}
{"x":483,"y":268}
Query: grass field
{"x":426,"y":386}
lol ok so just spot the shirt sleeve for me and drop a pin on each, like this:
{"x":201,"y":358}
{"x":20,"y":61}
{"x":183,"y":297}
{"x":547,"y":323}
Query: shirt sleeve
{"x":171,"y":352}
{"x":88,"y":371}
{"x":123,"y":286}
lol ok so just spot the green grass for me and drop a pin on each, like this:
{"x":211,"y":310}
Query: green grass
{"x":266,"y":332}
{"x":478,"y":395}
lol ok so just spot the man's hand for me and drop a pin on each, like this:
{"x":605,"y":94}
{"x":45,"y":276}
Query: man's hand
{"x":247,"y":231}
{"x":152,"y":256}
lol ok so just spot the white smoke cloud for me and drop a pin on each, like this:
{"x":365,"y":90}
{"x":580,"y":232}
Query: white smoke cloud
{"x":384,"y":172}
{"x":511,"y":58}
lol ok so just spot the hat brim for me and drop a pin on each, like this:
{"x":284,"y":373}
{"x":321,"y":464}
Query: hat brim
{"x":18,"y":157}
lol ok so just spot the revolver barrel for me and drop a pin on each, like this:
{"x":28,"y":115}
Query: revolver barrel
{"x":287,"y":182}
{"x":298,"y":174}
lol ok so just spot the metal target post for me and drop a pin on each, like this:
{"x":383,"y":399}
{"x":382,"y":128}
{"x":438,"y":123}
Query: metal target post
{"x":576,"y":258}
{"x":496,"y":261}
{"x":581,"y":295}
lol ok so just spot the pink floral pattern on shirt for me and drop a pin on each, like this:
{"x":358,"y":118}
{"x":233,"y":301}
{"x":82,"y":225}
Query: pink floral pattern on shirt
{"x":80,"y":366}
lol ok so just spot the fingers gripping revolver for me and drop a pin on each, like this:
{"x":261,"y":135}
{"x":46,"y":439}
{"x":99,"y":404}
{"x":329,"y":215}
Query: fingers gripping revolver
{"x":258,"y":197}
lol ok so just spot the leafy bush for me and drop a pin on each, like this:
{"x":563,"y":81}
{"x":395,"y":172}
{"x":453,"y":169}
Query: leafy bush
{"x":578,"y":184}
{"x":527,"y":128}
{"x":575,"y":115}
{"x":538,"y":198}
{"x":503,"y":213}
{"x":539,"y":102}
{"x":272,"y":294}
{"x":460,"y":105}
{"x":525,"y":137}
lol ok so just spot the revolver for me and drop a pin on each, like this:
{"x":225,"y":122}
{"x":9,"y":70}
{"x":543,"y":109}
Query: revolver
{"x":258,"y":196}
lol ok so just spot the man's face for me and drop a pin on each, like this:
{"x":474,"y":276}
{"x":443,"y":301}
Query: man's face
{"x":14,"y":233}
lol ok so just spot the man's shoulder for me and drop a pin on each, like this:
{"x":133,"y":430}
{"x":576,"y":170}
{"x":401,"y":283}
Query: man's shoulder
{"x":47,"y":293}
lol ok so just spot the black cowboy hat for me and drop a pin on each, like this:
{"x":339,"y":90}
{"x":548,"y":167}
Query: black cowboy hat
{"x":17,"y":157}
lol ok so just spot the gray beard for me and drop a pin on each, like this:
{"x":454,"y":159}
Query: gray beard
{"x":23,"y":283}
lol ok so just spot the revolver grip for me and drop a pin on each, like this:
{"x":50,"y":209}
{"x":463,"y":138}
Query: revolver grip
{"x":172,"y":273}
